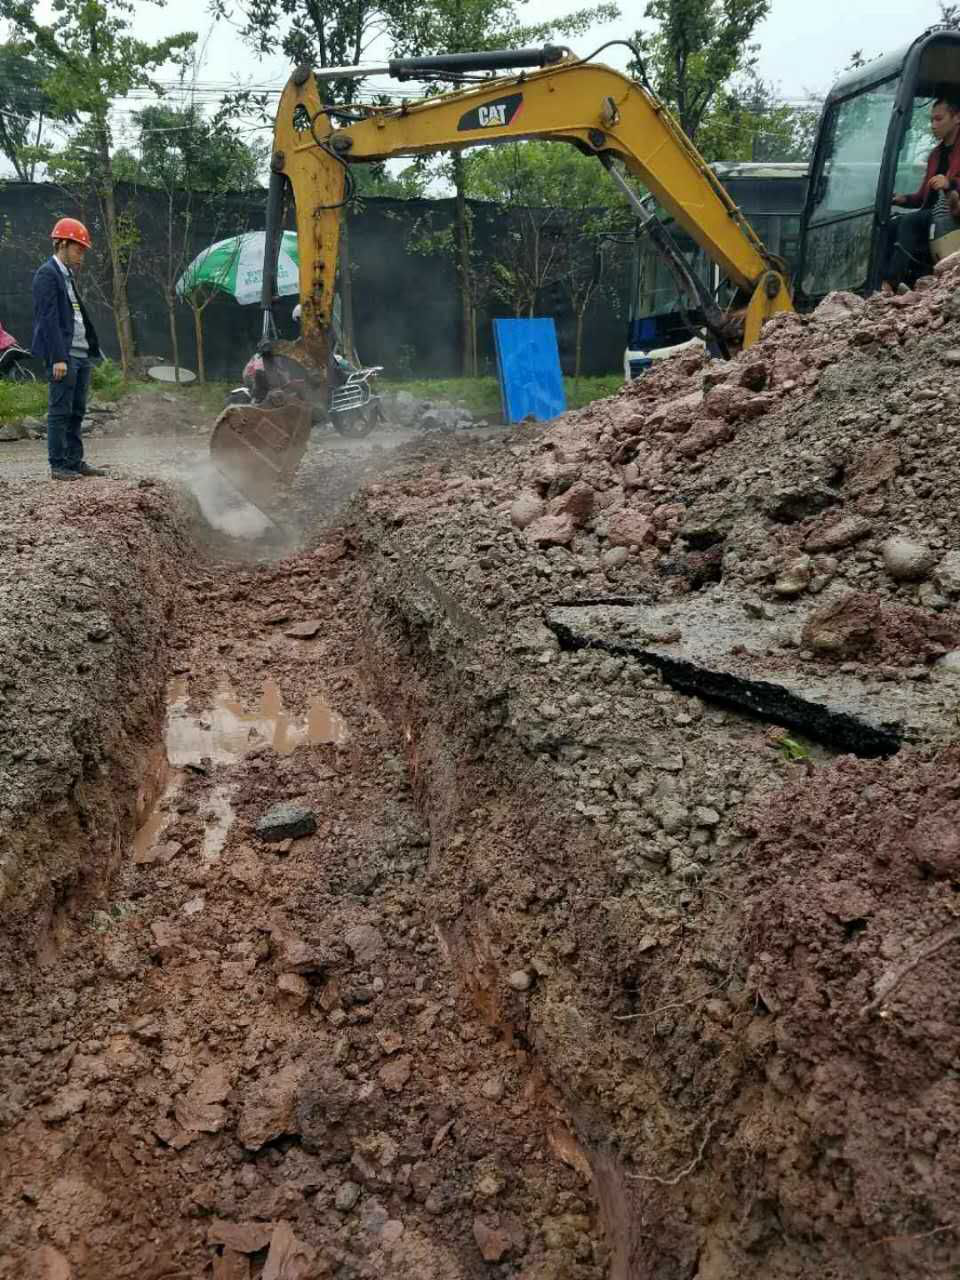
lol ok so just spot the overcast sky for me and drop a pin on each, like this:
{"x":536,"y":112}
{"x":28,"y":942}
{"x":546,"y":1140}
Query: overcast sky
{"x":803,"y":42}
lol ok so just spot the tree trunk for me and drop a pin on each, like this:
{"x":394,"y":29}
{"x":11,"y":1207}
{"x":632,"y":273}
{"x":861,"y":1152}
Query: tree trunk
{"x":121,"y":305}
{"x":198,"y":335}
{"x":346,"y":288}
{"x":578,"y":346}
{"x":462,"y":229}
{"x":171,"y":301}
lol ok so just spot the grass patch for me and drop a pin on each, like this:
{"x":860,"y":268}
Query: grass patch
{"x":482,"y":395}
{"x":22,"y":400}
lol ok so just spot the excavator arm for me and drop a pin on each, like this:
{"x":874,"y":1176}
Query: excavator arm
{"x":600,"y":111}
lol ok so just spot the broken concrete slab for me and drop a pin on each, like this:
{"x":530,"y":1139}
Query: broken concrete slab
{"x":714,"y":650}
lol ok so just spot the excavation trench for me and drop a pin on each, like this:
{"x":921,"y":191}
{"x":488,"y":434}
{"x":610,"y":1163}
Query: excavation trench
{"x":535,"y":990}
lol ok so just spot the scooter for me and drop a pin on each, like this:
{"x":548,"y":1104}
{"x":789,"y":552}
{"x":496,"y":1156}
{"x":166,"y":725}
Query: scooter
{"x":354,"y":408}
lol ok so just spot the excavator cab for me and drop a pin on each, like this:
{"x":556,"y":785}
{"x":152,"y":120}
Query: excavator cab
{"x":873,"y":141}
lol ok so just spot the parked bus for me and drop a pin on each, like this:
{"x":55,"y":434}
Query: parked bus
{"x":771,"y":196}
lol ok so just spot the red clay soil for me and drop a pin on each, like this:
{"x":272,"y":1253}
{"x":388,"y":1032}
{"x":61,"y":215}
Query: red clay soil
{"x":256,"y":1061}
{"x":574,"y":976}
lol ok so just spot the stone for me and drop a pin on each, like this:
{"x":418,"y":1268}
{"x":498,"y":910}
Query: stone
{"x":391,"y":1232}
{"x":395,"y":1074}
{"x":671,"y":815}
{"x":615,"y":558}
{"x":289,"y":1258}
{"x":48,"y":1263}
{"x":494,"y":1244}
{"x":286,"y":822}
{"x":551,"y":531}
{"x":838,"y":306}
{"x":577,"y":502}
{"x":520,"y":980}
{"x":199,"y":1110}
{"x":630,"y":529}
{"x":304,"y":630}
{"x":705,"y":816}
{"x":842,"y":534}
{"x":365,"y":942}
{"x":231,"y":1265}
{"x":946,"y":575}
{"x":67,"y":1102}
{"x":242,"y":1237}
{"x":294,"y":988}
{"x":907,"y":560}
{"x":492,"y":1088}
{"x":950,"y":661}
{"x":348,"y":1193}
{"x":527,"y":507}
{"x":794,"y":578}
{"x":734,"y":404}
{"x":269,"y":1106}
{"x":844,"y":628}
{"x":11,"y":431}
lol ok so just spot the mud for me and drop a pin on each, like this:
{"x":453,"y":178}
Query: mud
{"x":577,"y":976}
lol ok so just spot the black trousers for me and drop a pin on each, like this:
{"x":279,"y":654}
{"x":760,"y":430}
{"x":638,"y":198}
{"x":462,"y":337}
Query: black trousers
{"x":908,"y":249}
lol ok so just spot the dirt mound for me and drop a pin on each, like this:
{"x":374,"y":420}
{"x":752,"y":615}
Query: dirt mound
{"x":86,"y":592}
{"x":853,"y":935}
{"x":659,"y":860}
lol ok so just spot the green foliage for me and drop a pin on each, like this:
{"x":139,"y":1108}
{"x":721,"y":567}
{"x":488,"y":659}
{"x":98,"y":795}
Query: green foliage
{"x":25,"y":106}
{"x":376,"y":180}
{"x":91,"y":58}
{"x":22,"y":400}
{"x":179,"y":148}
{"x":461,"y":26}
{"x":482,"y":395}
{"x":106,"y":380}
{"x":695,"y":50}
{"x":29,"y":399}
{"x":749,"y":122}
{"x":793,"y":750}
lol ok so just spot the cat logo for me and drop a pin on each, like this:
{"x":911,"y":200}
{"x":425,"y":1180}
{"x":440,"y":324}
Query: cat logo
{"x":492,"y":115}
{"x":496,"y":113}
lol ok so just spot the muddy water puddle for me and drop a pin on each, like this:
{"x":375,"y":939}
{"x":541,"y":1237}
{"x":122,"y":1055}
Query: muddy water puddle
{"x":227,"y":732}
{"x":221,"y":735}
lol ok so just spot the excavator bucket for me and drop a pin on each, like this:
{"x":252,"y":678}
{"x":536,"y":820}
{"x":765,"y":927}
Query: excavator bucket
{"x":258,"y":447}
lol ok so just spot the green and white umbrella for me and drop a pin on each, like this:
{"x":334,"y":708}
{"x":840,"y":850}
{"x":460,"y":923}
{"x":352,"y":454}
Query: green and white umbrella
{"x":235,"y":266}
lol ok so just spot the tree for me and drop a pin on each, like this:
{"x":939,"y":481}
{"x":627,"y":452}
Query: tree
{"x":696,"y":49}
{"x":558,"y":206}
{"x":198,"y":293}
{"x":25,"y":107}
{"x":94,"y":58}
{"x":462,"y":26}
{"x":749,"y":121}
{"x":178,"y":147}
{"x":949,"y":14}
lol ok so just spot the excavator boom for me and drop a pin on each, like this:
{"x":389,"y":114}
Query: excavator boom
{"x":598,"y":110}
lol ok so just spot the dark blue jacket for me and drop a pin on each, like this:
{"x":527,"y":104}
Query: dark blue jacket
{"x":53,"y":317}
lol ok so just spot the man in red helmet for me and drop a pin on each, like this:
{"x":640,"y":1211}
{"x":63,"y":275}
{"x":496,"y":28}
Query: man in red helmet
{"x":64,"y":336}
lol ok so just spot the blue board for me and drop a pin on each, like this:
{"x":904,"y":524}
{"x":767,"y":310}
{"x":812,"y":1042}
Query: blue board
{"x":529,"y":367}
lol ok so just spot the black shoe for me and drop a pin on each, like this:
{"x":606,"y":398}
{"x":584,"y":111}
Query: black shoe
{"x":84,"y":469}
{"x":57,"y":474}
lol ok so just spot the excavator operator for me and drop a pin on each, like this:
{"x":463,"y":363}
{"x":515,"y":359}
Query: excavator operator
{"x":935,"y":205}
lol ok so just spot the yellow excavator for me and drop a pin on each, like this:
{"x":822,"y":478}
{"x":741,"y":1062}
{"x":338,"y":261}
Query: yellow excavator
{"x":873,"y":140}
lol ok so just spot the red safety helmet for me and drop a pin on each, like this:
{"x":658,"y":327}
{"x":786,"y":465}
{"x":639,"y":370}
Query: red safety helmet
{"x":71,"y":229}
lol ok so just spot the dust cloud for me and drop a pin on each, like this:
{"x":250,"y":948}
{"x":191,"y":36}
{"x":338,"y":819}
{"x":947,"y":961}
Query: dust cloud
{"x":223,"y":507}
